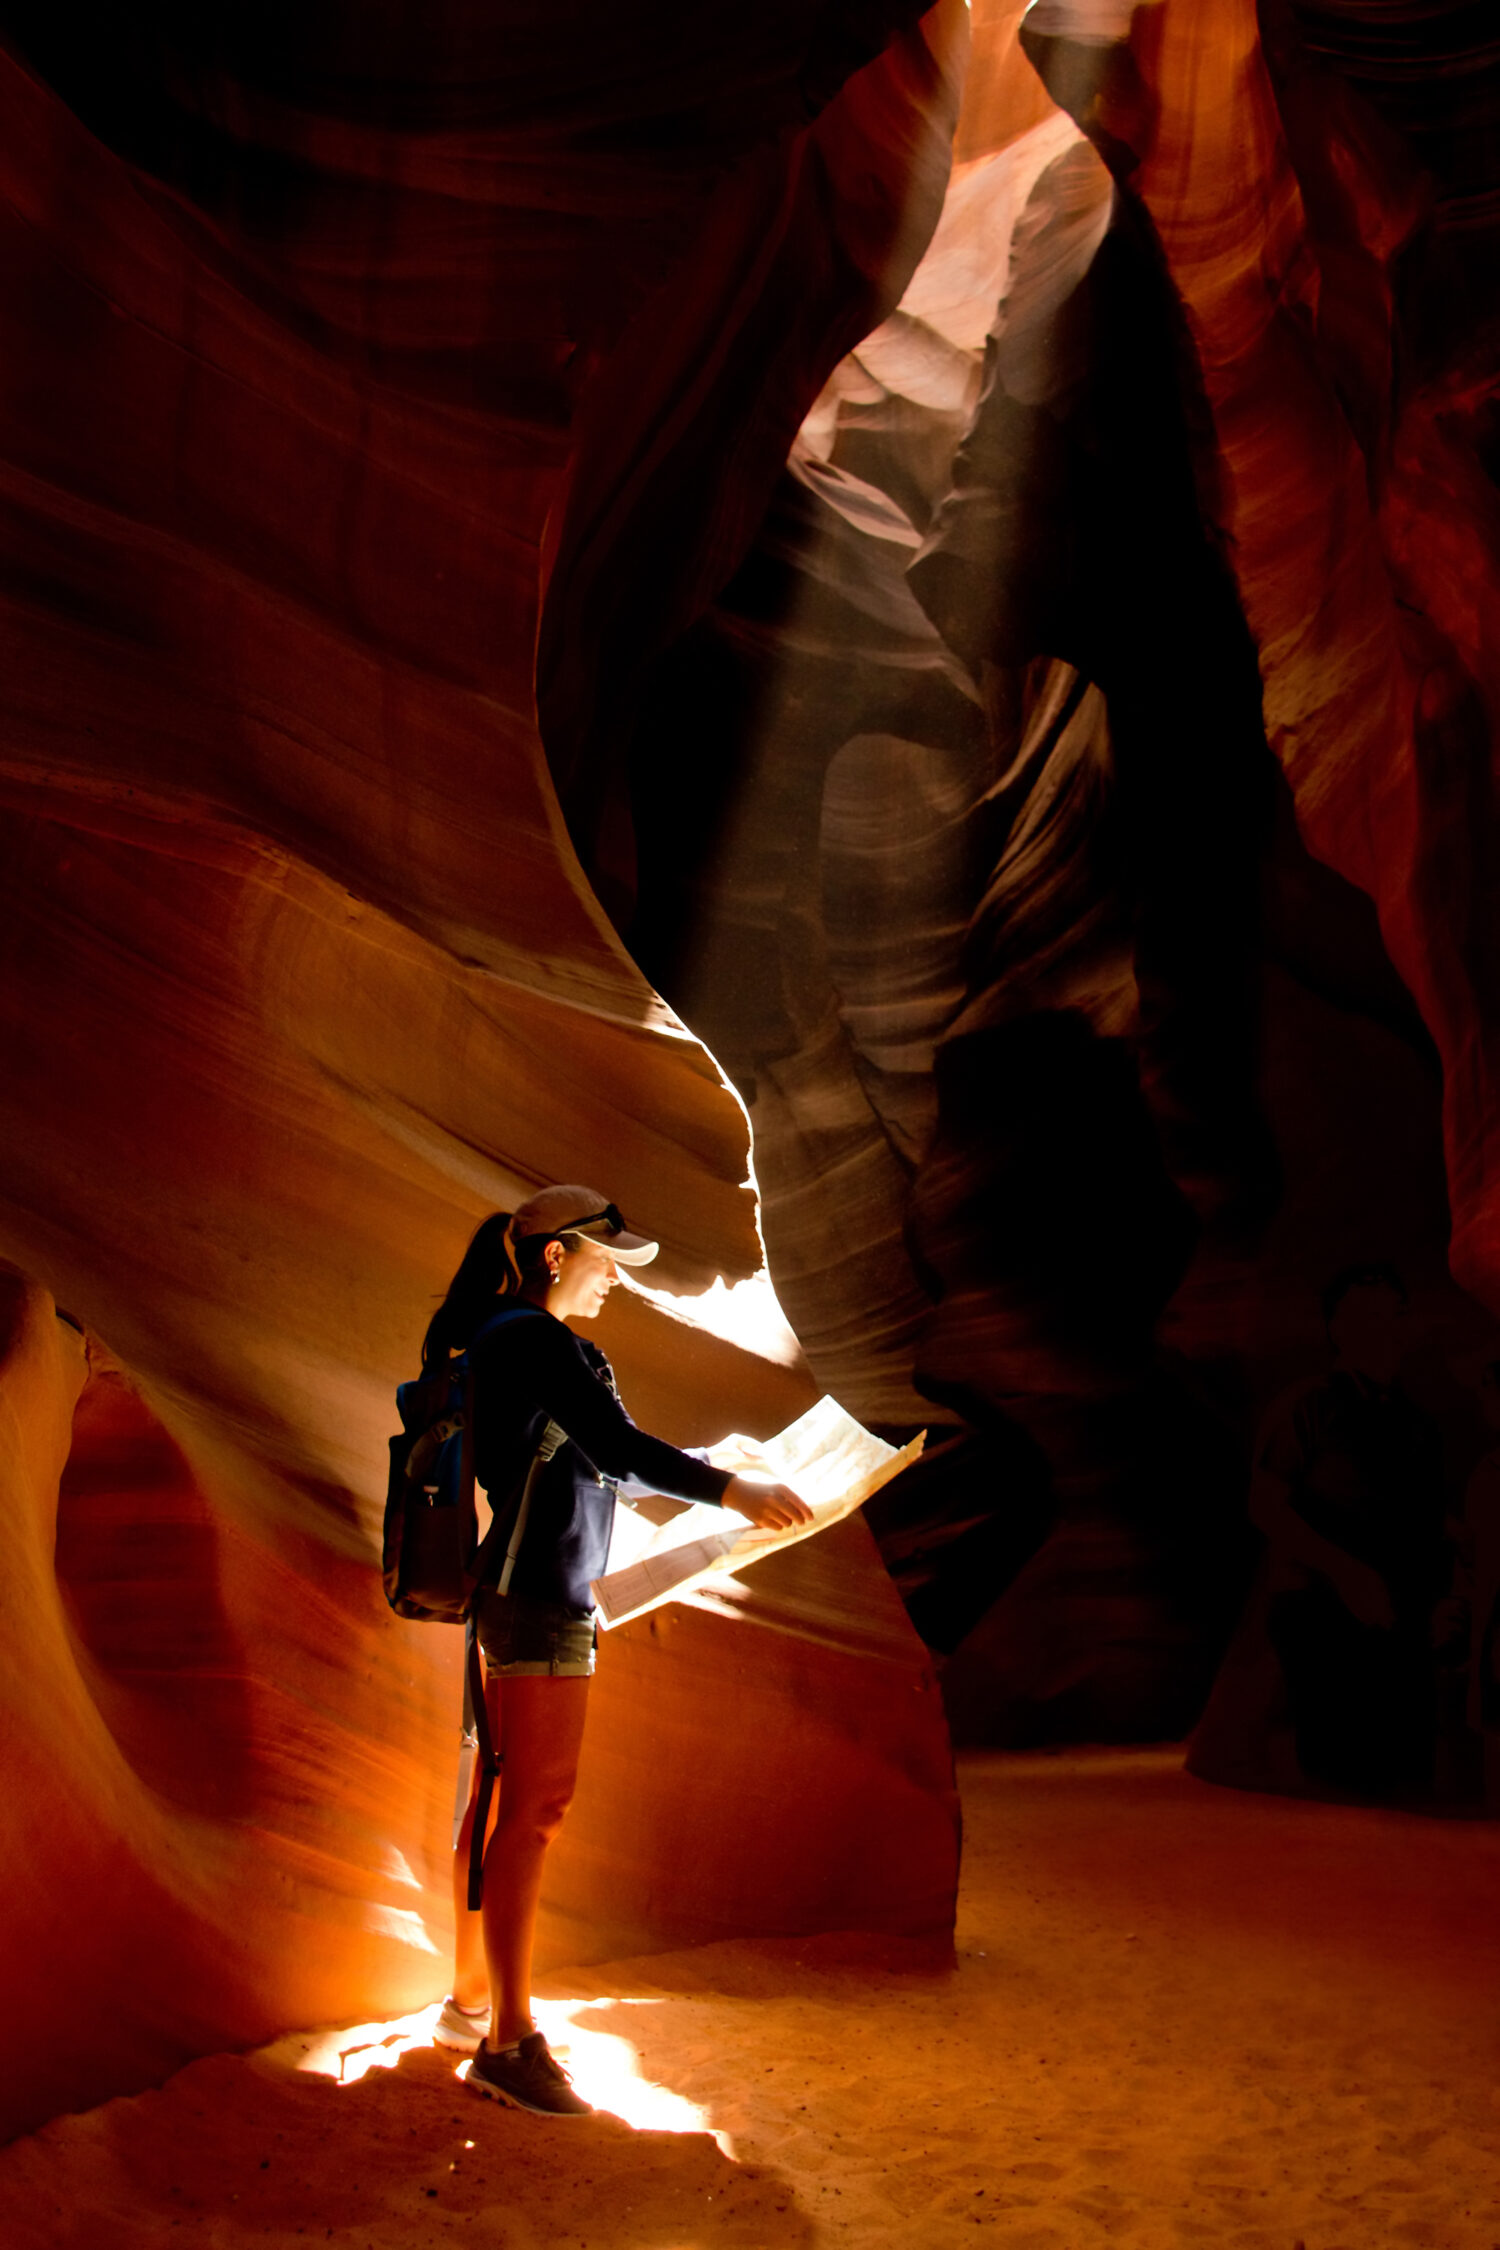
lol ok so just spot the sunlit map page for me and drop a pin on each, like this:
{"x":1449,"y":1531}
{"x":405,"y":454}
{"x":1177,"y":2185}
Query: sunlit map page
{"x":826,"y":1456}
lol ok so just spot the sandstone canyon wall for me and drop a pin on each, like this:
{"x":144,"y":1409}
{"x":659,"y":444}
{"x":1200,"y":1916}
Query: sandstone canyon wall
{"x":302,"y":975}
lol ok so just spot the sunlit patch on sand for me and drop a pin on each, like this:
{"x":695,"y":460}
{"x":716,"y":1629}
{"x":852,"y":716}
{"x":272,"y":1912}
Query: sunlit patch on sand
{"x":346,"y":2054}
{"x":605,"y":2068}
{"x":604,"y":2065}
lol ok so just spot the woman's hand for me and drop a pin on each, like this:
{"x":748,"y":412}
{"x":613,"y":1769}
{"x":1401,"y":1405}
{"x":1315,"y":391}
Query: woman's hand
{"x":770,"y":1507}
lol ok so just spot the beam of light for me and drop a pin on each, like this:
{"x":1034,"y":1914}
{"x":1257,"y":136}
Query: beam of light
{"x":400,"y":1923}
{"x":748,"y":1315}
{"x":396,"y":1868}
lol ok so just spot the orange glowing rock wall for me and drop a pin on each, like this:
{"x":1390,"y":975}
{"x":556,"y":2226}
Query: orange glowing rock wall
{"x":301,"y":974}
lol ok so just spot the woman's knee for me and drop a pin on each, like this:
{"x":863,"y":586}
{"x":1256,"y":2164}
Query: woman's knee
{"x":553,"y":1808}
{"x":540,"y":1810}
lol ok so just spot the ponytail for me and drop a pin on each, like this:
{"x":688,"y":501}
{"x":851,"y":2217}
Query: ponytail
{"x":489,"y":1268}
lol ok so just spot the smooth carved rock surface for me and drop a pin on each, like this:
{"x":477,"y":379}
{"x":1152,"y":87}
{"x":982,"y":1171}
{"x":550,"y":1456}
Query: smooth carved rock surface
{"x":171,"y":1825}
{"x":302,"y":973}
{"x":1047,"y":991}
{"x":912,"y":910}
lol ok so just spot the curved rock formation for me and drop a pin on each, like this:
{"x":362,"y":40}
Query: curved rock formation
{"x":171,"y":1737}
{"x":994,"y":1031}
{"x":1043,"y":990}
{"x":303,"y":975}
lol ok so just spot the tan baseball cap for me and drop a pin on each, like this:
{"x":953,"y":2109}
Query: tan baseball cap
{"x":583,"y":1211}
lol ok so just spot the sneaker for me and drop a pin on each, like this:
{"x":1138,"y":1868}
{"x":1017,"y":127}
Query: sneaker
{"x":463,"y":2028}
{"x":529,"y":2076}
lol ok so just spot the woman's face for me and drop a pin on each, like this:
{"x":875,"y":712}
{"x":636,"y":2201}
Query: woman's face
{"x":586,"y":1273}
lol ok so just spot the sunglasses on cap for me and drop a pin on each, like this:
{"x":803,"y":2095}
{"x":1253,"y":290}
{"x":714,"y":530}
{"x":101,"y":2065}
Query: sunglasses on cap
{"x":611,"y":1213}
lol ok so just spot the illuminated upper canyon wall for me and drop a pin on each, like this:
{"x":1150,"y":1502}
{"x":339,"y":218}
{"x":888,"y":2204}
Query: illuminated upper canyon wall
{"x":1086,"y":886}
{"x":303,"y":322}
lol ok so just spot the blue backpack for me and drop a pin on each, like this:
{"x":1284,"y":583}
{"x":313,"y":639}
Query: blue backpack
{"x":431,"y":1557}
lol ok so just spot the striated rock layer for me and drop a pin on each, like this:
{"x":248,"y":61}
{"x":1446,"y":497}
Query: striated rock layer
{"x":302,"y":974}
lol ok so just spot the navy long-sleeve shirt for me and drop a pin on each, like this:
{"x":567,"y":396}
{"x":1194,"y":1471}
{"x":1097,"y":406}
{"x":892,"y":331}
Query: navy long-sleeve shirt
{"x":528,"y":1370}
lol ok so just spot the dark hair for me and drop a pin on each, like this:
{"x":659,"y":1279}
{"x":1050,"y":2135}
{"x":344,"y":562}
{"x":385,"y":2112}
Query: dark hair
{"x":1378,"y":1275}
{"x":495,"y":1265}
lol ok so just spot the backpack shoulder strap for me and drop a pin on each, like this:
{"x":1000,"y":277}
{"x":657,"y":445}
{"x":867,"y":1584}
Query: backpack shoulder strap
{"x":547,"y":1444}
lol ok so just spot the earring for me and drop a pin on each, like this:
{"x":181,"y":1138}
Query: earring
{"x":556,"y":1276}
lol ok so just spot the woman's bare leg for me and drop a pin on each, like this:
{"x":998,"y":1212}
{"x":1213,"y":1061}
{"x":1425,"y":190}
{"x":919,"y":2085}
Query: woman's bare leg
{"x":543,"y":1735}
{"x":470,"y":1981}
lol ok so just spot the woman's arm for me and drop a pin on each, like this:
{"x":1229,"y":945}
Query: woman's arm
{"x":542,"y":1362}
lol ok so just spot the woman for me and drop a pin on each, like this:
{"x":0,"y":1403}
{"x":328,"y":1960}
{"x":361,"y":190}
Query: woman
{"x":523,"y":1277}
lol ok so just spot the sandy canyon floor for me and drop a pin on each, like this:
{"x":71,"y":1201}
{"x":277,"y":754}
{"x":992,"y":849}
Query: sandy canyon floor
{"x":1176,"y":2016}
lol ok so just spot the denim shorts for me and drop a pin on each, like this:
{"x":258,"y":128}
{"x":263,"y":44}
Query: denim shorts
{"x":525,"y":1639}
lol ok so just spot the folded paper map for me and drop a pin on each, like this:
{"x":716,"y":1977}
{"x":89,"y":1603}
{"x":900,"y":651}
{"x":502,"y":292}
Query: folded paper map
{"x":826,"y":1456}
